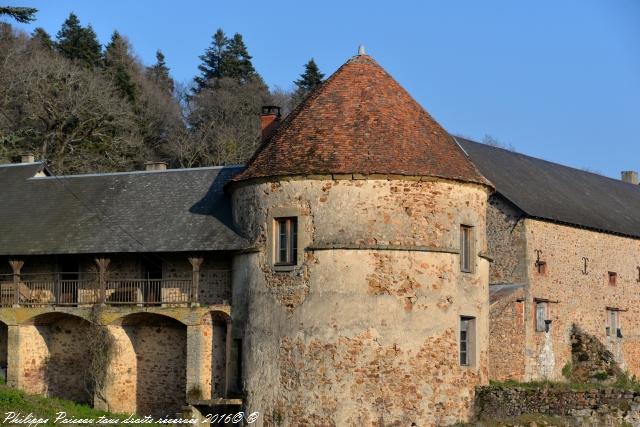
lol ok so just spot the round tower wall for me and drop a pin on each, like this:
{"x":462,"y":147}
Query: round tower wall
{"x":365,"y":328}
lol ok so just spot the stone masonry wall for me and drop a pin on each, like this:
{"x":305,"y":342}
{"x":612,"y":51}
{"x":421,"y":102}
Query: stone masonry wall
{"x":597,"y":407}
{"x":583,"y":298}
{"x":507,"y":337}
{"x":361,"y":336}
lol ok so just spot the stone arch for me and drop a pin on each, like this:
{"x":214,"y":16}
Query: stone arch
{"x":216,"y":324}
{"x":53,"y":347}
{"x":149,"y":367}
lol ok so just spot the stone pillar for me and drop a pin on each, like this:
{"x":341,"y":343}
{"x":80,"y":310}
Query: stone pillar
{"x":195,"y":278}
{"x":103,"y":264}
{"x":14,"y":357}
{"x":16,"y":267}
{"x":227,"y":358}
{"x":199,"y":362}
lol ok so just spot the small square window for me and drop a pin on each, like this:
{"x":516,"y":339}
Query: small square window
{"x":613,"y":278}
{"x":541,"y":316}
{"x":466,"y":249}
{"x":286,"y":241}
{"x":467,"y":340}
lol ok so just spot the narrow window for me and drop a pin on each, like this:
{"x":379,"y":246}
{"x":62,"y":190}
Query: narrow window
{"x":467,"y":340}
{"x":613,"y":277}
{"x":613,"y":319}
{"x":541,"y":316}
{"x":541,"y":267}
{"x":286,"y":250}
{"x":466,"y":248}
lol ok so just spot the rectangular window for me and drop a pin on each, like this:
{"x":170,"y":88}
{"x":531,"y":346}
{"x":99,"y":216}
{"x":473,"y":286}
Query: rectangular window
{"x":613,"y":278}
{"x":466,"y":248}
{"x":541,"y":316}
{"x":541,"y":267}
{"x":286,"y":248}
{"x":467,"y":340}
{"x":613,"y":320}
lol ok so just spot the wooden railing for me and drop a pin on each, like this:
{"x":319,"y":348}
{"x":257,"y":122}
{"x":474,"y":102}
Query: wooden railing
{"x":51,"y":289}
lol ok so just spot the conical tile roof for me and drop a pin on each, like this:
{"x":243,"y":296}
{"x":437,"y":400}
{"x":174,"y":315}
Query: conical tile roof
{"x":360,"y":121}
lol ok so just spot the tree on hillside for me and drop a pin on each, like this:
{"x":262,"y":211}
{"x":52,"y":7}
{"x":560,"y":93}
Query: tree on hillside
{"x":159,"y":73}
{"x":211,"y":61}
{"x":120,"y":66}
{"x":78,"y":43}
{"x":24,"y":15}
{"x":42,"y":39}
{"x":308,"y":81}
{"x":236,"y":61}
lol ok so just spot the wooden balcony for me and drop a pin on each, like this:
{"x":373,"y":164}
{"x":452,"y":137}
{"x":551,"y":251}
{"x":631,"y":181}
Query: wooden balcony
{"x":55,"y":289}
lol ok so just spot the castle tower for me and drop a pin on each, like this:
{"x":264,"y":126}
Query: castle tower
{"x":365,"y":301}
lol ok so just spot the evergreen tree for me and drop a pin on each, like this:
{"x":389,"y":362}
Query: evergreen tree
{"x":159,"y":73}
{"x":24,"y":15}
{"x":78,"y":43}
{"x":120,"y":65}
{"x":211,"y":60}
{"x":236,"y":61}
{"x":308,"y":81}
{"x":42,"y":38}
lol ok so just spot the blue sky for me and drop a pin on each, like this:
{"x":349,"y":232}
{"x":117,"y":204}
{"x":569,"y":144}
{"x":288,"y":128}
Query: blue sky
{"x":558,"y":80}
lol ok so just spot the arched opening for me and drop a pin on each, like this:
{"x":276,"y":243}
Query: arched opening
{"x":4,"y":342}
{"x":217,"y":322}
{"x":149,"y":370}
{"x":56,"y":356}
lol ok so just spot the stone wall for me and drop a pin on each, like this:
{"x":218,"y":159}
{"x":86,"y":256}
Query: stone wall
{"x":365,"y":329}
{"x":582,"y":299}
{"x":507,"y":334}
{"x":597,"y":407}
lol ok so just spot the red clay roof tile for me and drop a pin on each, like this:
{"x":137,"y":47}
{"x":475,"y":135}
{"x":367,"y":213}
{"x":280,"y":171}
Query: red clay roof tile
{"x":360,"y":121}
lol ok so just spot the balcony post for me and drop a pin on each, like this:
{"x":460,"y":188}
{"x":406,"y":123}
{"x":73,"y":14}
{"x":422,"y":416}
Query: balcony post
{"x":196,"y":262}
{"x":103,"y":264}
{"x":16,"y":267}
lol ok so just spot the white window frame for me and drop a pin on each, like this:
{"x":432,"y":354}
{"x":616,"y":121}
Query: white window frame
{"x":467,"y":341}
{"x":542,"y":314}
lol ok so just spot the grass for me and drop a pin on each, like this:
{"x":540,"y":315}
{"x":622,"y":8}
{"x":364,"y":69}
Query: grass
{"x":12,"y":400}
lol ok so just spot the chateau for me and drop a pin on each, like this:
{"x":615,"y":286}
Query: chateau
{"x":365,"y":267}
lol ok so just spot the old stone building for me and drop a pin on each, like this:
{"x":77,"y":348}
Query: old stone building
{"x":565,"y":245}
{"x":341,"y":277}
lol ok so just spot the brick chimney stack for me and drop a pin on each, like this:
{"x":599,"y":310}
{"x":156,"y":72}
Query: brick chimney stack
{"x":630,"y":176}
{"x":27,"y":158}
{"x":269,"y":120}
{"x":155,"y":166}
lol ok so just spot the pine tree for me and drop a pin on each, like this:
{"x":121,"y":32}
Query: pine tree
{"x":78,"y":43}
{"x":211,"y":60}
{"x":120,"y":65}
{"x":159,"y":73}
{"x":308,"y":81}
{"x":236,"y":61}
{"x":24,"y":15}
{"x":42,"y":38}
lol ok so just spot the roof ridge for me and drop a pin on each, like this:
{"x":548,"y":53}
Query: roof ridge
{"x":86,"y":175}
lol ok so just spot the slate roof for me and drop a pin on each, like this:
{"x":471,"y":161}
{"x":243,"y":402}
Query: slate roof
{"x":551,"y":191}
{"x":360,"y":120}
{"x":174,"y":210}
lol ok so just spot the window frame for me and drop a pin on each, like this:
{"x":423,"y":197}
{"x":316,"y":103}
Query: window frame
{"x":613,"y":278}
{"x":540,"y":324}
{"x":467,"y":341}
{"x":290,"y":235}
{"x":467,"y":246}
{"x":613,"y":323}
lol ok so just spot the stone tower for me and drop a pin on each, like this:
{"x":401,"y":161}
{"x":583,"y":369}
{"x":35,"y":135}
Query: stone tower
{"x":365,"y":301}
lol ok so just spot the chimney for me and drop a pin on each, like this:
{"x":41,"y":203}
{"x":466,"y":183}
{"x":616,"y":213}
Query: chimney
{"x":155,"y":166}
{"x":630,"y":176}
{"x":269,"y":120}
{"x":27,"y":158}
